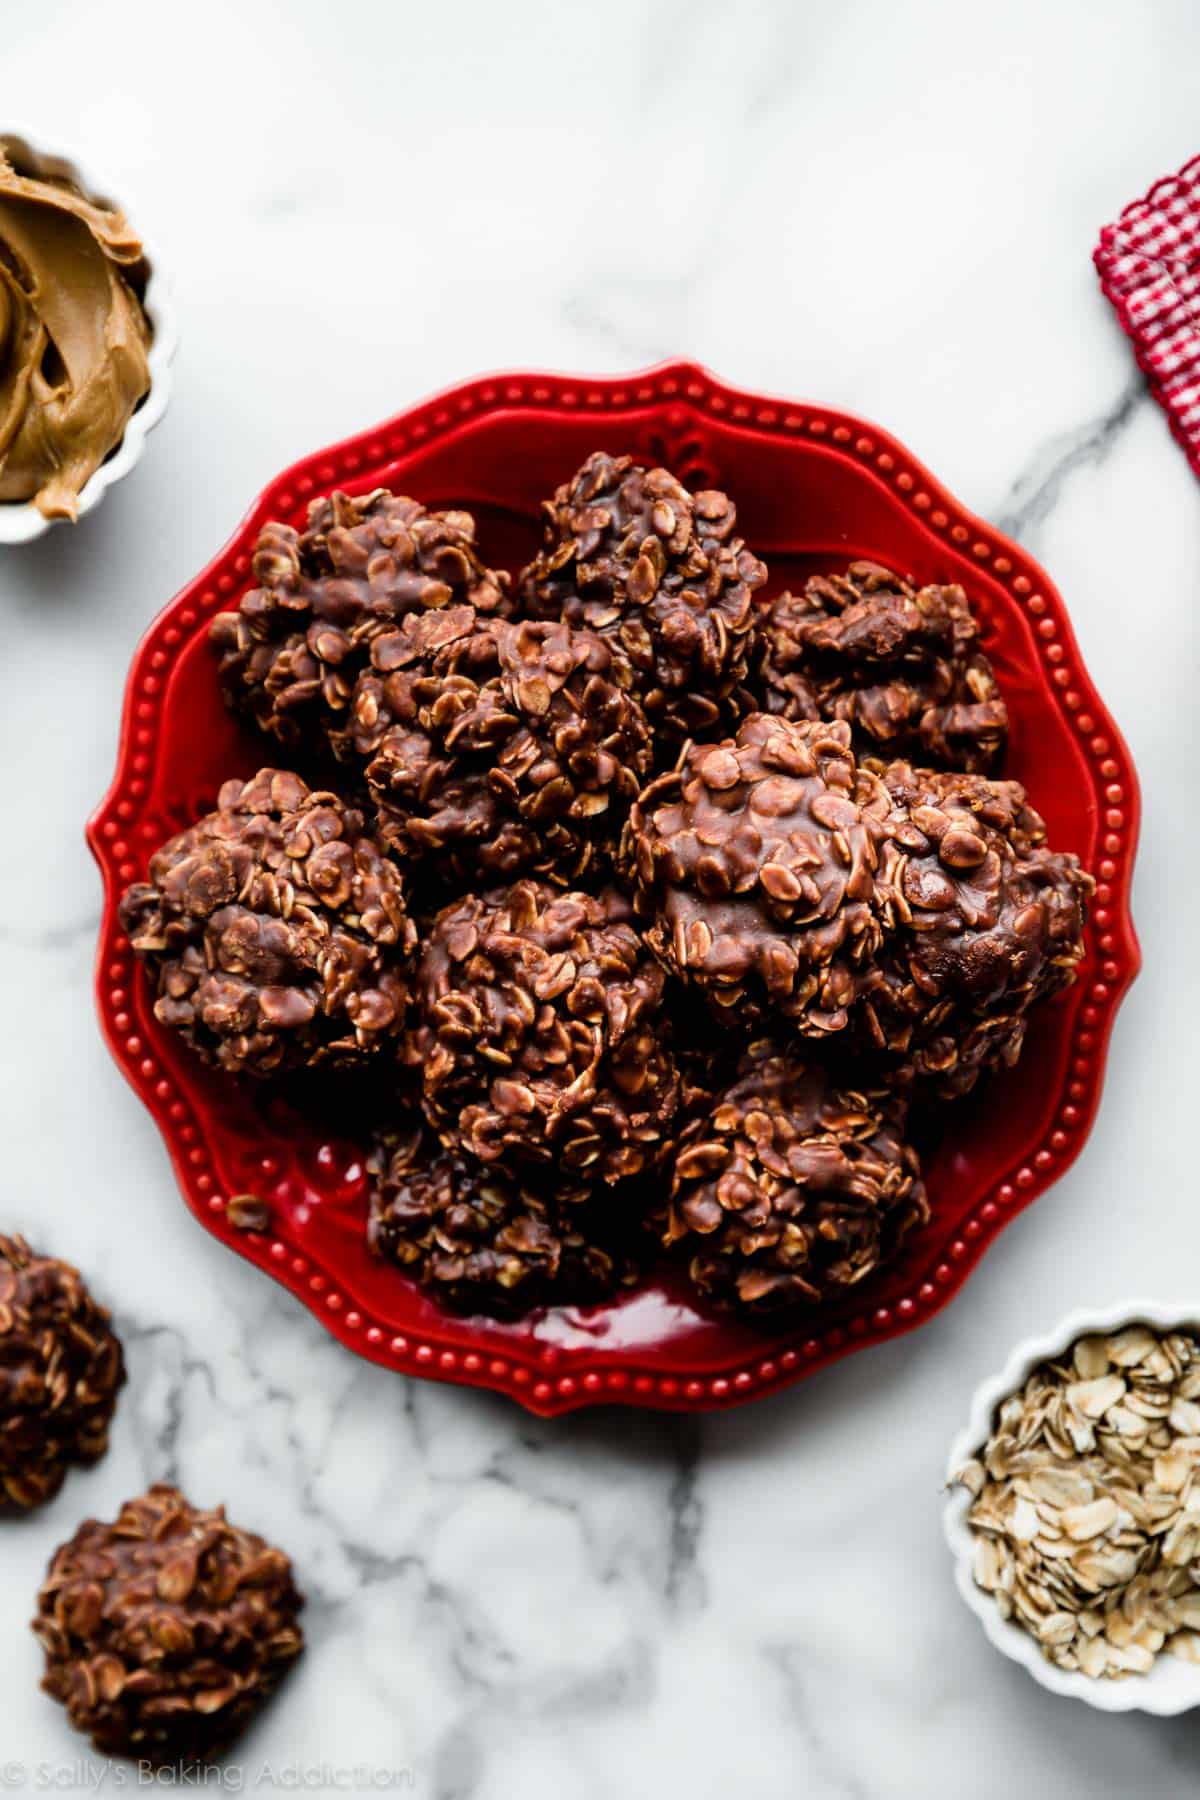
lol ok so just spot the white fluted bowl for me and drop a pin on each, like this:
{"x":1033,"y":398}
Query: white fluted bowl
{"x":21,"y":522}
{"x":1172,"y":1686}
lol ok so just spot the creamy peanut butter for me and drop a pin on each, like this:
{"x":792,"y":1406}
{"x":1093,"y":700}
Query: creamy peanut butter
{"x":73,"y":336}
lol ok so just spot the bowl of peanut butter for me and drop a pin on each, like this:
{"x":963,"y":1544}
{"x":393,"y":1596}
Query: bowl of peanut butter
{"x":86,"y":341}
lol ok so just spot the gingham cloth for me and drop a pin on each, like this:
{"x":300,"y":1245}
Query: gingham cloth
{"x":1149,"y":264}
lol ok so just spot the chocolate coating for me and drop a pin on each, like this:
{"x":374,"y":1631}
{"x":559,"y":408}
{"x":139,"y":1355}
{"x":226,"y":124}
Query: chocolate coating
{"x":274,"y":931}
{"x":494,"y":749}
{"x":291,"y":653}
{"x":754,"y":862}
{"x":541,"y":1036}
{"x":901,"y":664}
{"x":982,"y":923}
{"x":793,"y":1190}
{"x":631,"y":554}
{"x":165,"y":1631}
{"x":481,"y":1239}
{"x":61,"y":1368}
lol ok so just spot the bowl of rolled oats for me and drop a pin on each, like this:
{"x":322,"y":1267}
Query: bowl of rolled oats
{"x":1074,"y":1508}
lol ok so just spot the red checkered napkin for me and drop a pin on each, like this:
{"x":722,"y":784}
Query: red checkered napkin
{"x":1149,"y":264}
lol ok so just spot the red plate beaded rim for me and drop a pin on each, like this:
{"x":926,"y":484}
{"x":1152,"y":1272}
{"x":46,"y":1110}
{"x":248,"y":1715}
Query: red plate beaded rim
{"x":814,"y":487}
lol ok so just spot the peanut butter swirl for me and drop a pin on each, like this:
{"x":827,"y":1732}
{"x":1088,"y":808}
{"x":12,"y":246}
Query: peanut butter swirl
{"x":73,"y":335}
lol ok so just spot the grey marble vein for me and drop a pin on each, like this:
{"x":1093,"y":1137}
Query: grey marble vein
{"x":684,"y":1585}
{"x":50,"y":938}
{"x":831,"y":1776}
{"x":1037,"y":490}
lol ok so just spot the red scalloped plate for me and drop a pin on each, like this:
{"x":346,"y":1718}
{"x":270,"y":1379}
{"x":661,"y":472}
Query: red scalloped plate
{"x":813,"y":487}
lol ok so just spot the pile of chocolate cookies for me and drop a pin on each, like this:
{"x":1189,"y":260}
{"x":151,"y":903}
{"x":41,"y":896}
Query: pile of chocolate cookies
{"x":165,"y":1630}
{"x":651,"y":904}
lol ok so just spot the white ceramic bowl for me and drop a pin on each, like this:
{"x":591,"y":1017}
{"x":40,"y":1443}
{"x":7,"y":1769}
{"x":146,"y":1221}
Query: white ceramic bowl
{"x":1172,"y":1686}
{"x":20,"y":524}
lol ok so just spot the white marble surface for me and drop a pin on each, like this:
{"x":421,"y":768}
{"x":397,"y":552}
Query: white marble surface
{"x":888,"y":207}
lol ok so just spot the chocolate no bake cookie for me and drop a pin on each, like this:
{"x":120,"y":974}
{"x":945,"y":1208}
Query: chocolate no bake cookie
{"x":275,"y":931}
{"x":901,"y":664}
{"x":166,"y":1630}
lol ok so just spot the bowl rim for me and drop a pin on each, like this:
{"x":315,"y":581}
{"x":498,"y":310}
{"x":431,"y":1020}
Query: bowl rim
{"x":20,"y":521}
{"x":544,"y":1378}
{"x":1134,"y":1693}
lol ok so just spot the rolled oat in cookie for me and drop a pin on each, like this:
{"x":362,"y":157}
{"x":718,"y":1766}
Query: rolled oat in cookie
{"x":754,"y":867}
{"x":493,"y":749}
{"x":791,"y":1189}
{"x":165,"y":1631}
{"x":901,"y":664}
{"x":630,"y":553}
{"x":290,"y":654}
{"x":541,"y":1034}
{"x":61,"y":1368}
{"x":483,"y":1240}
{"x":275,"y":932}
{"x":982,"y":922}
